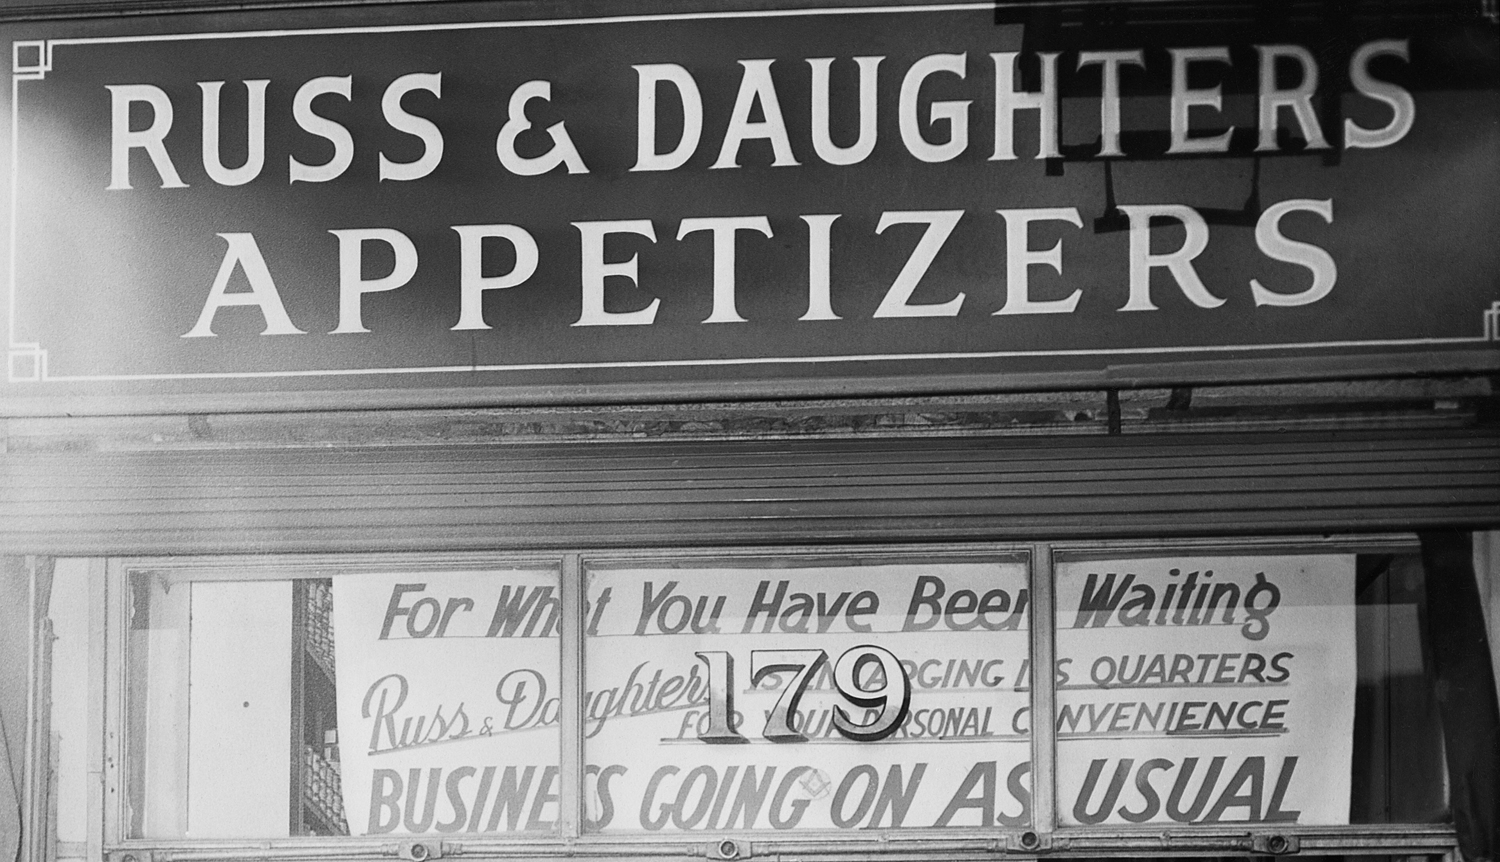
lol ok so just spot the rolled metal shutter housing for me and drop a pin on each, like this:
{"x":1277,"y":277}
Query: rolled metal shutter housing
{"x":657,"y":493}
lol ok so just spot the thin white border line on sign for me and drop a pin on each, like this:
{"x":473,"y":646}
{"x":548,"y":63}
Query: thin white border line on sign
{"x":15,"y":212}
{"x":15,"y":186}
{"x":20,"y":73}
{"x":765,"y":360}
{"x":518,"y":24}
{"x":12,"y":345}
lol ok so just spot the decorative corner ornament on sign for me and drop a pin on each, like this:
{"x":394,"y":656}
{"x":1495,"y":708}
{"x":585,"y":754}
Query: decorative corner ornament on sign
{"x":1492,"y":322}
{"x":27,"y":363}
{"x":31,"y":60}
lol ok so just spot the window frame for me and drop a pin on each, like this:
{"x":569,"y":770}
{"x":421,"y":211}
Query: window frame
{"x":568,"y":839}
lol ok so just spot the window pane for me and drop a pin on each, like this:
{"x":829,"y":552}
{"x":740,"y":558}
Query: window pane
{"x":448,"y":700}
{"x":773,"y":694}
{"x":369,"y":702}
{"x":1400,"y":771}
{"x":1273,"y":689}
{"x":210,"y":708}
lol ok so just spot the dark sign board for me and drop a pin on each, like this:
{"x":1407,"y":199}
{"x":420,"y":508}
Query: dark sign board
{"x":358,"y":209}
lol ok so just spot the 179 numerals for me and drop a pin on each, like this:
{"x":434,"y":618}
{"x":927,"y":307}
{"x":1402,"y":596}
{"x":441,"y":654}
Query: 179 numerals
{"x":891,"y":696}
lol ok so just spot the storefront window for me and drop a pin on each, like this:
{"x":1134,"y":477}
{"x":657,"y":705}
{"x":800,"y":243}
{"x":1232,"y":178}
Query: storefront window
{"x":1260,"y":689}
{"x":210,"y":707}
{"x":783,"y":693}
{"x":1205,"y":689}
{"x":1398,"y":758}
{"x":404,"y":700}
{"x":764,"y":694}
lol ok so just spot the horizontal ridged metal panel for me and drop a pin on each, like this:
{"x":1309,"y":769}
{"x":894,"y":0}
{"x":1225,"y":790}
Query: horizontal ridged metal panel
{"x":639,"y":493}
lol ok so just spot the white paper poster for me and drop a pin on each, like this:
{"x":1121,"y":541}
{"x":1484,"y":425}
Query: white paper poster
{"x":838,"y":698}
{"x":1205,"y":690}
{"x":781,"y":695}
{"x":422,"y":659}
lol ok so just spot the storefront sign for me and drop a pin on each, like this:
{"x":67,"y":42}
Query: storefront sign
{"x":1205,"y":690}
{"x":816,"y":201}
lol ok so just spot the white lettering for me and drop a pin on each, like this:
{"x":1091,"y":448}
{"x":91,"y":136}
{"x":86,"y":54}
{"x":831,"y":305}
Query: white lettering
{"x":151,"y":139}
{"x":352,"y":283}
{"x":1275,"y":245}
{"x":1184,"y":99}
{"x":472,"y":280}
{"x":562,"y":153}
{"x":723,"y":230}
{"x":1178,"y":263}
{"x":334,"y":133}
{"x":419,"y":127}
{"x":1298,"y":98}
{"x":596,"y":270}
{"x":1009,"y":100}
{"x":954,"y":114}
{"x":819,"y":280}
{"x":1109,"y":101}
{"x":255,"y":134}
{"x":646,"y":156}
{"x":940,"y":224}
{"x":1403,"y":106}
{"x":756,"y":85}
{"x":823,"y":143}
{"x":1019,"y":257}
{"x":245,"y":254}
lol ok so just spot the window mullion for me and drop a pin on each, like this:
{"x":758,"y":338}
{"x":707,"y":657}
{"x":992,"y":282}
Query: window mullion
{"x":114,"y":750}
{"x":1043,"y":694}
{"x":570,"y":791}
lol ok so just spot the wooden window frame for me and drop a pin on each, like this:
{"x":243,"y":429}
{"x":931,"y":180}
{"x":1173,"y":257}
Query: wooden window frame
{"x":1045,"y":837}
